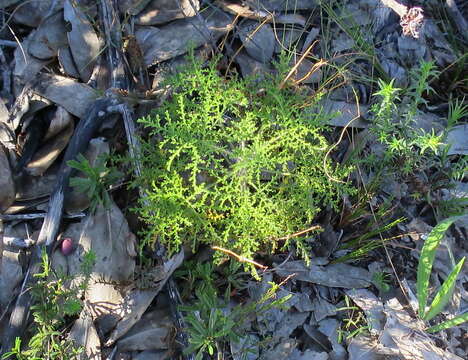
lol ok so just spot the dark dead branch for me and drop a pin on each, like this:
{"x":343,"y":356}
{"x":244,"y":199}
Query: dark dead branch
{"x":17,"y":217}
{"x":87,"y":127}
{"x":118,"y":80}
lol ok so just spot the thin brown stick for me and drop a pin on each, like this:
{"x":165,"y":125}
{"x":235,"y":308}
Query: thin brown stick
{"x":294,"y":68}
{"x":339,"y":141}
{"x":242,"y":45}
{"x":299,"y":233}
{"x":287,"y":279}
{"x":313,"y":69}
{"x":239,"y":258}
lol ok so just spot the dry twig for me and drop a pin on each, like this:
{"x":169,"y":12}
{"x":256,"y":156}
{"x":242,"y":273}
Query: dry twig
{"x":239,"y":258}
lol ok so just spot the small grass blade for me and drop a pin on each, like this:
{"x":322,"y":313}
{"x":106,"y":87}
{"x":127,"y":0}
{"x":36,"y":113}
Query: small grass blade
{"x":426,"y":260}
{"x":457,"y":320}
{"x":445,"y":292}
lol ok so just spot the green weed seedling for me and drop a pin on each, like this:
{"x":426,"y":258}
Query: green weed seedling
{"x":97,"y":180}
{"x":212,"y":325}
{"x":407,"y":147}
{"x":353,"y":323}
{"x":381,"y":280}
{"x":54,"y":302}
{"x":446,"y":290}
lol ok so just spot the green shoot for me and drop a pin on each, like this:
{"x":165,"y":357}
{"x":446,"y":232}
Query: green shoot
{"x":54,"y":302}
{"x":97,"y":180}
{"x":424,"y":271}
{"x":457,"y":320}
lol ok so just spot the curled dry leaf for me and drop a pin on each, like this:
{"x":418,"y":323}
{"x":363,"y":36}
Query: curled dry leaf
{"x":348,"y":114}
{"x":372,"y":307}
{"x":252,"y":67}
{"x":36,"y":188}
{"x":7,"y":195}
{"x":137,"y":301}
{"x":306,"y":72}
{"x":287,"y":39}
{"x":334,"y":275}
{"x":133,"y":7}
{"x":404,"y":336}
{"x":84,"y":43}
{"x":33,"y":12}
{"x":26,"y":66}
{"x":59,"y":122}
{"x":77,"y":201}
{"x":57,"y":141}
{"x":163,"y":11}
{"x":5,"y":3}
{"x":48,"y":37}
{"x":66,"y":62}
{"x":107,"y":234}
{"x":166,"y":42}
{"x":311,"y":36}
{"x":282,"y":5}
{"x":151,"y":332}
{"x":258,"y":40}
{"x":457,"y":138}
{"x":11,"y":273}
{"x":75,"y":97}
{"x":83,"y":333}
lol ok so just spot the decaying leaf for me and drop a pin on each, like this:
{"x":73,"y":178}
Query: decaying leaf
{"x":168,"y":41}
{"x":163,"y":11}
{"x":137,"y":301}
{"x":7,"y":195}
{"x":82,"y":38}
{"x":75,"y":97}
{"x":83,"y":333}
{"x":334,"y":275}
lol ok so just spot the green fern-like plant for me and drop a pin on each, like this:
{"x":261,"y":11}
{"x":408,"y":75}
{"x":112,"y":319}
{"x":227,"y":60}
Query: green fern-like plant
{"x":233,"y":163}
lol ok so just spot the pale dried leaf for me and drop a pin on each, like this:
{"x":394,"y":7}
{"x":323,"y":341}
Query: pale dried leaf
{"x":258,"y":40}
{"x":75,"y":97}
{"x":457,"y":138}
{"x":48,"y":37}
{"x":174,"y":39}
{"x":163,"y":11}
{"x":83,"y":41}
{"x":83,"y":333}
{"x":7,"y":184}
{"x":151,"y":332}
{"x":137,"y":301}
{"x":334,"y":275}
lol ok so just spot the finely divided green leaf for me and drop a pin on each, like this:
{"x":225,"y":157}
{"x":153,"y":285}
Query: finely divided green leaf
{"x":445,"y":292}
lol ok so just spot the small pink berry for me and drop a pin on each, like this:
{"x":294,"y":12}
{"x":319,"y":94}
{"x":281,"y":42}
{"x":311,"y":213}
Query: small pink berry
{"x":67,"y":246}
